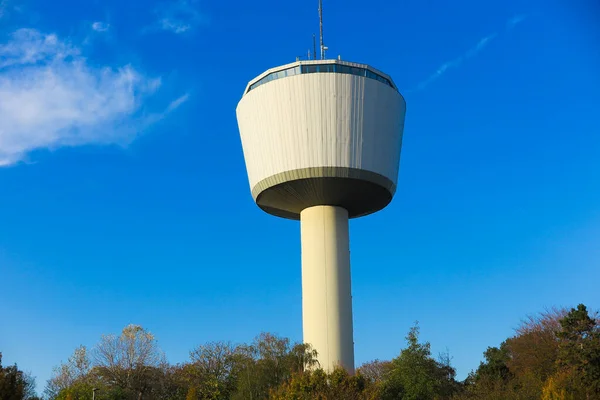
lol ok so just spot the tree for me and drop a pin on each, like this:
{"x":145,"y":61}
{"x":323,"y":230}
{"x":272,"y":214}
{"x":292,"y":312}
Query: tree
{"x":30,"y":393}
{"x":495,"y":366}
{"x":579,"y":352}
{"x":554,"y":355}
{"x":415,"y":375}
{"x":65,"y":375}
{"x":548,"y":358}
{"x":192,"y":394}
{"x":534,"y":349}
{"x":213,"y":370}
{"x":520,"y":366}
{"x":79,"y":390}
{"x":132,"y":361}
{"x":15,"y":384}
{"x":319,"y":385}
{"x":375,"y":371}
{"x":493,"y":379}
{"x":556,"y":387}
{"x":268,"y":362}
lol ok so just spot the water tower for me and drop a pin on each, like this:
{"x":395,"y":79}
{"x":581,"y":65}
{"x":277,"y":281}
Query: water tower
{"x":321,"y":141}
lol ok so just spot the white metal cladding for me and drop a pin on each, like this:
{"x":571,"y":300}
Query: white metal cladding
{"x":321,"y":120}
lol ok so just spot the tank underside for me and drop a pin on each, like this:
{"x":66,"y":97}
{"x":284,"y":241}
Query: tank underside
{"x":358,"y":191}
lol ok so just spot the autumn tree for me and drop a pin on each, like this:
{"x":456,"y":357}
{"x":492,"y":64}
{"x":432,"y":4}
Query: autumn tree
{"x":212,"y":371}
{"x":554,"y":355}
{"x":548,"y":358}
{"x":131,"y":361}
{"x":319,"y":385}
{"x":66,"y":374}
{"x":375,"y":371}
{"x":533,"y":351}
{"x":192,"y":393}
{"x":518,"y":368}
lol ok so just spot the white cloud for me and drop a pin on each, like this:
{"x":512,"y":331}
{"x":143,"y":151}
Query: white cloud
{"x":178,"y":16}
{"x":512,"y":22}
{"x":29,"y":47}
{"x":457,"y":62}
{"x":173,"y":105}
{"x":175,"y":26}
{"x":178,"y":102}
{"x":483,"y":42}
{"x":99,"y":26}
{"x":440,"y":71}
{"x":50,"y":96}
{"x":3,"y":7}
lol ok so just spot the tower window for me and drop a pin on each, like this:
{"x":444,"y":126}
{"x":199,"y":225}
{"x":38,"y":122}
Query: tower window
{"x":320,"y":68}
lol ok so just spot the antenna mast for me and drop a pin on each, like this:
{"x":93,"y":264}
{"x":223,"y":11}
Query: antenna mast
{"x":321,"y":29}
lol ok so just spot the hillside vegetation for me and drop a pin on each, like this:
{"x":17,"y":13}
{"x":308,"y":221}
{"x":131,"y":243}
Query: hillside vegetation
{"x":552,"y":356}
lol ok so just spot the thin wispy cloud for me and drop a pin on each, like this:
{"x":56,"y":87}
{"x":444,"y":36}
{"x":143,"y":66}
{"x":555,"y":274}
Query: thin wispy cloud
{"x":153,"y":118}
{"x":175,"y":26}
{"x":178,"y":102}
{"x":99,"y":26}
{"x":472,"y":52}
{"x":50,"y":96}
{"x":483,"y":42}
{"x":178,"y":16}
{"x":8,"y":8}
{"x":515,"y":20}
{"x":4,"y":6}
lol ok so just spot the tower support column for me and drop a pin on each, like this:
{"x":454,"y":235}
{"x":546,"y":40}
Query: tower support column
{"x":326,"y":288}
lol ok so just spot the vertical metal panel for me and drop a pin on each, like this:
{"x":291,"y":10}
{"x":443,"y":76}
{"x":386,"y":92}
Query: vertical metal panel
{"x":321,"y":120}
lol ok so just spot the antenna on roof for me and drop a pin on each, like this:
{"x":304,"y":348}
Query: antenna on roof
{"x":323,"y":48}
{"x":314,"y":47}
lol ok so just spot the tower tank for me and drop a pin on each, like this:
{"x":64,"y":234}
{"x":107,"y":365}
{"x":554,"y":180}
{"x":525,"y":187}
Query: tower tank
{"x":321,"y":142}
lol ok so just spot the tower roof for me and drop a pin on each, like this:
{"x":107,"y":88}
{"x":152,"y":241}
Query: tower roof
{"x":310,"y":66}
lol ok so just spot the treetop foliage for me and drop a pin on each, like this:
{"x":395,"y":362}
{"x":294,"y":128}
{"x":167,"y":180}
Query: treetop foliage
{"x":15,"y":384}
{"x":554,"y":355}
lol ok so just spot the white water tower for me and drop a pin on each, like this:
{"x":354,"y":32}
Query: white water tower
{"x":321,"y":141}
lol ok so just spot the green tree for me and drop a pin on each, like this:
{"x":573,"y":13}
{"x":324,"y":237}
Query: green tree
{"x":79,"y":390}
{"x":213,"y":370}
{"x":66,"y":374}
{"x":415,"y":375}
{"x":579,"y":352}
{"x":548,"y":358}
{"x":319,"y":385}
{"x":493,"y":379}
{"x":267,"y":363}
{"x":15,"y":384}
{"x":495,"y":365}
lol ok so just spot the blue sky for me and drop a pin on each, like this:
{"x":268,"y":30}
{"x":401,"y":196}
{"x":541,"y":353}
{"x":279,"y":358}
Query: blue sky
{"x":124,"y":199}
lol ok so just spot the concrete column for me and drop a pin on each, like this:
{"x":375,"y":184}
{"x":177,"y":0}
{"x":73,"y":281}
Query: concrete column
{"x":326,"y":291}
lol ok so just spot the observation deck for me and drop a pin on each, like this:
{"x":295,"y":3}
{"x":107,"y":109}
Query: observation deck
{"x":322,"y":132}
